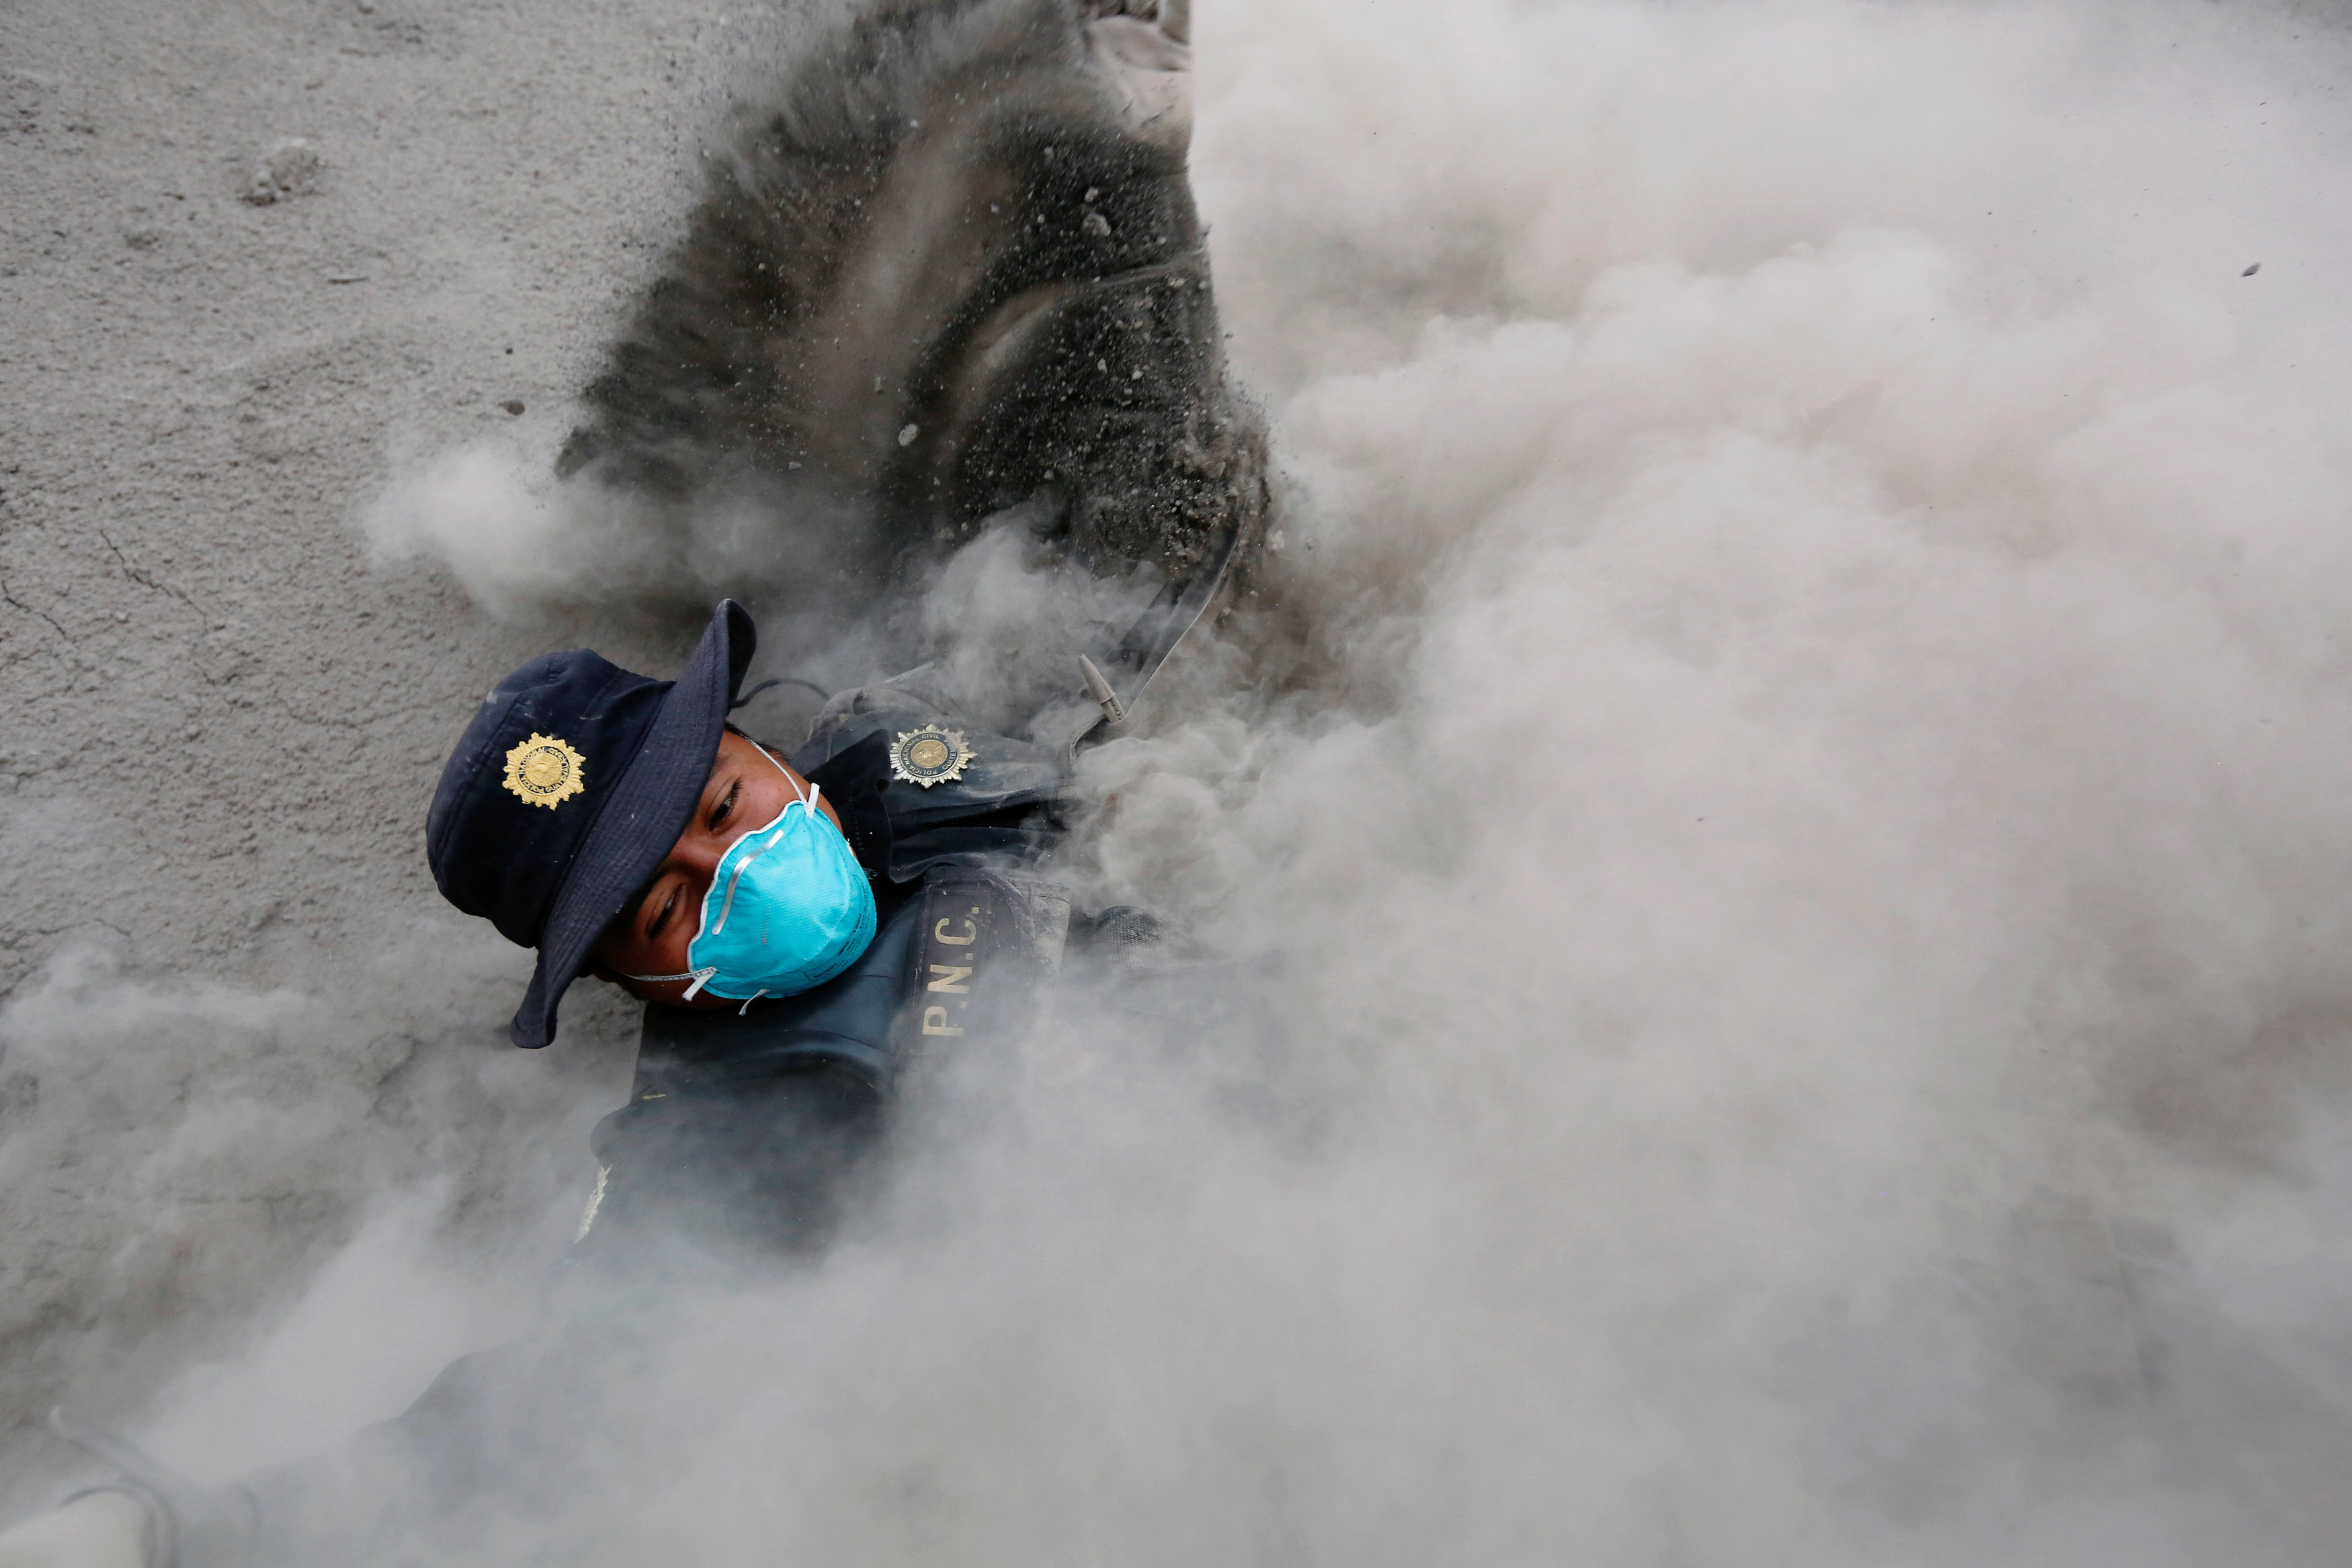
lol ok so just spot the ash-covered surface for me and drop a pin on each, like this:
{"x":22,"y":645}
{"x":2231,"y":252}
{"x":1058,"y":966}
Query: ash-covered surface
{"x":222,"y":724}
{"x":1784,"y":782}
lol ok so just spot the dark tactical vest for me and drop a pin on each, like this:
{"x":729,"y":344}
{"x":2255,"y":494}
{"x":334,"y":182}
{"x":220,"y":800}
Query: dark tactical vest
{"x":743,"y":1127}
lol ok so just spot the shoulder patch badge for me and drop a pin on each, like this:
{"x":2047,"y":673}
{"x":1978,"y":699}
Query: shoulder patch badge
{"x":930,"y":756}
{"x":545,"y":771}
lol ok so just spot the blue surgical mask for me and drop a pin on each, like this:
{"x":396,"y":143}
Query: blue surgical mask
{"x":788,"y":909}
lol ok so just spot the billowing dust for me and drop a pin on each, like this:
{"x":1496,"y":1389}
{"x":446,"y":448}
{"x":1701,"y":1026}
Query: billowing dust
{"x":1781,"y":803}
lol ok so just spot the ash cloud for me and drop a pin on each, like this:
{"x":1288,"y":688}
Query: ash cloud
{"x":1791,"y":755}
{"x":256,"y":1218}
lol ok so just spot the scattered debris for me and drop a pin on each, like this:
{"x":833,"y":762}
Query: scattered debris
{"x":290,"y":168}
{"x":1096,"y":225}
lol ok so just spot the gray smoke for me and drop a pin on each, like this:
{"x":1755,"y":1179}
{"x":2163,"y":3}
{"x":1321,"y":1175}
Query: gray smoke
{"x":1782,"y":798}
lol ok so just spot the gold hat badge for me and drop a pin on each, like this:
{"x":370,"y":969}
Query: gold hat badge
{"x":930,"y":756}
{"x":545,"y":771}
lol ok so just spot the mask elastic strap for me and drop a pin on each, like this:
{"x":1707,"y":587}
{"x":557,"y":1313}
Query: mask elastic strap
{"x":808,"y":802}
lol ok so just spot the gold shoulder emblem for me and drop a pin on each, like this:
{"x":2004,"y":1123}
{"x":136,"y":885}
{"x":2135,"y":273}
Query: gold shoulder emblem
{"x":930,"y":756}
{"x":546,"y":772}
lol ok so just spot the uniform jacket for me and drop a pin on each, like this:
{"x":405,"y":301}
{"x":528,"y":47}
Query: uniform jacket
{"x":744,"y":1126}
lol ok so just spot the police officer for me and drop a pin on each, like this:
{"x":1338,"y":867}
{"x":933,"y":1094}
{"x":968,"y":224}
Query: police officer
{"x":801,"y":925}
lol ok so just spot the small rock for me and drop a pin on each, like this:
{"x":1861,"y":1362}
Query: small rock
{"x":906,"y":435}
{"x":512,"y":405}
{"x":290,"y":168}
{"x":2251,"y":270}
{"x":1096,"y":225}
{"x":143,"y":239}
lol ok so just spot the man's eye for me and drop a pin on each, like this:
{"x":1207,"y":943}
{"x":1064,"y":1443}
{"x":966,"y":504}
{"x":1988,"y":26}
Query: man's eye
{"x":662,"y":917}
{"x":726,"y":808}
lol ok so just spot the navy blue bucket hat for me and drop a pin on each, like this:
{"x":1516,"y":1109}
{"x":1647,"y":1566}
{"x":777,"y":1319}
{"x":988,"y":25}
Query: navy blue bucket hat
{"x":569,"y":787}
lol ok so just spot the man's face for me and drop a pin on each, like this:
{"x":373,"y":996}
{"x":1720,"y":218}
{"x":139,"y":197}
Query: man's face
{"x":745,"y":791}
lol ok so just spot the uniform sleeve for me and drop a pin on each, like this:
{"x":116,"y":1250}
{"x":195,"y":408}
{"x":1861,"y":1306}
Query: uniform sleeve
{"x":761,"y":1169}
{"x":747,"y":1133}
